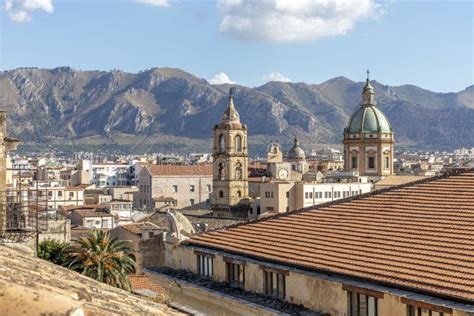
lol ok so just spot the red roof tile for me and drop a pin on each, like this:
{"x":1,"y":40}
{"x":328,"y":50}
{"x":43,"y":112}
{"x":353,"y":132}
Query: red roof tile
{"x":140,"y":282}
{"x":186,"y":170}
{"x":419,"y":237}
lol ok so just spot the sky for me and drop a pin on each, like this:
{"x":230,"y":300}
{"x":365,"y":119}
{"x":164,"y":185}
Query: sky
{"x":426,"y":43}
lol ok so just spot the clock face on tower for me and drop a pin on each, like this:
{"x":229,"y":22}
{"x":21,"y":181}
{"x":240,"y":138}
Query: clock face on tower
{"x":283,"y":174}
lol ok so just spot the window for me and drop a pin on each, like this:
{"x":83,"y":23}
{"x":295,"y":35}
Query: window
{"x":419,"y":311}
{"x":60,"y":193}
{"x":361,"y":304}
{"x":50,"y":194}
{"x":209,"y":188}
{"x":191,"y":202}
{"x":71,"y":194}
{"x":371,"y":163}
{"x":235,"y":274}
{"x":150,"y":234}
{"x":386,"y":162}
{"x":269,"y":194}
{"x":238,"y":143}
{"x":274,"y":284}
{"x":239,"y":194}
{"x":354,"y":162}
{"x":269,"y":208}
{"x":287,"y":194}
{"x":221,"y":147}
{"x":205,"y":265}
{"x":175,"y":188}
{"x":306,"y":195}
{"x":221,"y":194}
{"x":191,"y":188}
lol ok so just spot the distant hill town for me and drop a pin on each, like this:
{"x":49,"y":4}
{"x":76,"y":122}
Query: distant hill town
{"x":175,"y":110}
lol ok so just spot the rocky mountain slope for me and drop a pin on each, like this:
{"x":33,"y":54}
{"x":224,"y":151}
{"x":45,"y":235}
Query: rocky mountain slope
{"x":62,"y":104}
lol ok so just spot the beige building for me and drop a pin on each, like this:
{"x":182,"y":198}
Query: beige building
{"x":145,"y":238}
{"x":368,"y":139}
{"x":189,"y":185}
{"x":7,"y":144}
{"x":230,"y":164}
{"x":122,"y":210}
{"x":403,"y":251}
{"x":285,"y":196}
{"x":92,"y":219}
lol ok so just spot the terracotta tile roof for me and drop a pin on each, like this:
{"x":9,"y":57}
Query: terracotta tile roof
{"x":187,"y":170}
{"x":92,"y":213}
{"x":418,"y":236}
{"x":143,"y":282}
{"x":397,"y":180}
{"x":138,"y":228}
{"x":70,"y":208}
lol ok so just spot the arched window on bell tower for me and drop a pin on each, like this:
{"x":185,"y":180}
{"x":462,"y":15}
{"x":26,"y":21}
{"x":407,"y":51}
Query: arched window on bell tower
{"x":238,"y":143}
{"x":221,"y":144}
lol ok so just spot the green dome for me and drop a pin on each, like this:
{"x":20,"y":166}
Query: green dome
{"x":369,"y":119}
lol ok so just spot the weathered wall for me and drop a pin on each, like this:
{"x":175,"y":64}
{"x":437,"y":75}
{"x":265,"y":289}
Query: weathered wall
{"x":206,"y":301}
{"x":320,"y":294}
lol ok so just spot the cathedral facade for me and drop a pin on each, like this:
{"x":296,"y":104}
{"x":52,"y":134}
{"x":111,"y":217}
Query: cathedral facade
{"x":368,"y":139}
{"x":230,"y":165}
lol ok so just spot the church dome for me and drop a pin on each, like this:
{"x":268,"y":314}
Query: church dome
{"x":368,"y":118}
{"x":296,"y":152}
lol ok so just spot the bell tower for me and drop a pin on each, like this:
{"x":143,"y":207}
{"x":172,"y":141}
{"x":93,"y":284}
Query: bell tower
{"x":230,"y":165}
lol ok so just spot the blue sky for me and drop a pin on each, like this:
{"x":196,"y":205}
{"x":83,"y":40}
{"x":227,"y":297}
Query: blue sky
{"x":426,"y":43}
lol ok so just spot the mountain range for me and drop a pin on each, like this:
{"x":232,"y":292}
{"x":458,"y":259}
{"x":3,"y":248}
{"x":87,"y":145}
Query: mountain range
{"x":165,"y":109}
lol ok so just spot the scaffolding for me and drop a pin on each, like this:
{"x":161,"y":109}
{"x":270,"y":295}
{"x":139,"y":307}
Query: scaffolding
{"x":23,"y":208}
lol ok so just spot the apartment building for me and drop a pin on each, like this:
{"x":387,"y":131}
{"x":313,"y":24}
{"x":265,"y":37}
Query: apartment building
{"x":189,"y":185}
{"x":285,"y":196}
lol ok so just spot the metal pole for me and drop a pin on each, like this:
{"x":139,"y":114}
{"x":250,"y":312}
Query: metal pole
{"x":37,"y":212}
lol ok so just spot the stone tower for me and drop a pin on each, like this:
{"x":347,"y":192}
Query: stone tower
{"x":230,"y":159}
{"x":368,"y":139}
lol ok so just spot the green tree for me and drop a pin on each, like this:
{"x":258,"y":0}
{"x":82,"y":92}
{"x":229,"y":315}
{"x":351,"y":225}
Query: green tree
{"x":103,"y":258}
{"x":55,"y":251}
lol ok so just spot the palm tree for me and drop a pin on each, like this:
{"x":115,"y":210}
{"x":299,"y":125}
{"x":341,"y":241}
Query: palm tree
{"x":103,"y":258}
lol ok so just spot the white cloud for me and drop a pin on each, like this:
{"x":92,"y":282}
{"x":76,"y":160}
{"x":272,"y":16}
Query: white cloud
{"x":275,"y":76}
{"x":159,"y":3}
{"x":19,"y":10}
{"x":292,"y":20}
{"x":221,"y":78}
